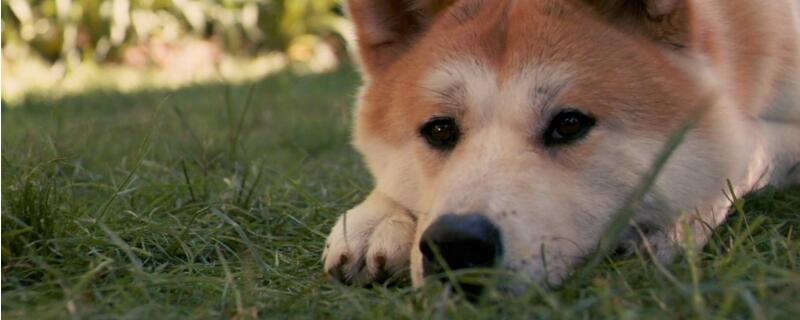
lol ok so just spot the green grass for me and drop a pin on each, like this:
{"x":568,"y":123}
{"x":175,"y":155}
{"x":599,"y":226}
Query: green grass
{"x":198,"y":203}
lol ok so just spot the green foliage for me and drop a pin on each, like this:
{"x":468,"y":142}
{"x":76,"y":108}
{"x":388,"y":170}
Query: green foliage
{"x":81,"y":30}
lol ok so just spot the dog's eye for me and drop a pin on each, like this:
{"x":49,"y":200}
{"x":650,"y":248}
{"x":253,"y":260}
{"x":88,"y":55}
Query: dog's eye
{"x":441,"y":133}
{"x":567,"y":127}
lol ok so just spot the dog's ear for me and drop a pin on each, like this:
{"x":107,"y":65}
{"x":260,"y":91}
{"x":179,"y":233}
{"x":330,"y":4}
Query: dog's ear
{"x":385,"y":29}
{"x":681,"y":24}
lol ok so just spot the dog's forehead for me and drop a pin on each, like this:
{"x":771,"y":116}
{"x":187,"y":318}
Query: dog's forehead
{"x":515,"y":56}
{"x":526,"y":56}
{"x":469,"y":85}
{"x":507,"y":33}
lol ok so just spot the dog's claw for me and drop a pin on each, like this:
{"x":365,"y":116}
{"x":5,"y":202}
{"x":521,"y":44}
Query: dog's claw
{"x":380,"y":261}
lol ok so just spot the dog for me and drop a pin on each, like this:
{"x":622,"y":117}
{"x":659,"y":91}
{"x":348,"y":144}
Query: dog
{"x":509,"y":134}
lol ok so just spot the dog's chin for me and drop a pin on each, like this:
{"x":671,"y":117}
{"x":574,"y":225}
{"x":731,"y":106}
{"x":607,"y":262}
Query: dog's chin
{"x":517,"y":285}
{"x":512,"y":282}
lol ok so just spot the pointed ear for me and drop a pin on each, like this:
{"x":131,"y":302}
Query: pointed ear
{"x":680,"y":24}
{"x":386,"y":28}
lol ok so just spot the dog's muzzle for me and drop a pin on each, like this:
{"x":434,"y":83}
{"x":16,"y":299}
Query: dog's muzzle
{"x":462,"y":241}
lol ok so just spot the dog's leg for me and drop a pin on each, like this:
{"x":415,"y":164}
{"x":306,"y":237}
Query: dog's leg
{"x":689,"y":233}
{"x":370,"y":242}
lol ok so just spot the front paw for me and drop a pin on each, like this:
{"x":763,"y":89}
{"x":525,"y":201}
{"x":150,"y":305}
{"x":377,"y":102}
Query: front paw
{"x":370,"y":243}
{"x":665,"y":243}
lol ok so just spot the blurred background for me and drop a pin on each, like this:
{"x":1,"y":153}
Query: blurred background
{"x":54,"y":48}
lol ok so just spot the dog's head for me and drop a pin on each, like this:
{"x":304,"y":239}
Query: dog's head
{"x":516,"y":129}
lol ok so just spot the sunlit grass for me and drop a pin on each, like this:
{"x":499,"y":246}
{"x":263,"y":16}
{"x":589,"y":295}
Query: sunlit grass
{"x":24,"y":74}
{"x":214,"y":200}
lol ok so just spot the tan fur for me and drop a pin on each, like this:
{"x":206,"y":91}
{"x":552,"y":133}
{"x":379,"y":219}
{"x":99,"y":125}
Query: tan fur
{"x":504,"y":68}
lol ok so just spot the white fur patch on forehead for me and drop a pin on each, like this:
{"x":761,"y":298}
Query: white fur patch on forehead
{"x":534,"y":88}
{"x":457,"y":84}
{"x":464,"y":84}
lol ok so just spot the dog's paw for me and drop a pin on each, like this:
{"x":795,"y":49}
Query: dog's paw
{"x":370,"y":243}
{"x":665,"y":243}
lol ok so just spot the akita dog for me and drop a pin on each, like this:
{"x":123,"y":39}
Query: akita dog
{"x":508,"y":134}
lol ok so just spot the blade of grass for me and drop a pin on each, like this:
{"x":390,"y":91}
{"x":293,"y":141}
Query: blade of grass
{"x":265,"y":268}
{"x":144,"y":149}
{"x":188,"y":181}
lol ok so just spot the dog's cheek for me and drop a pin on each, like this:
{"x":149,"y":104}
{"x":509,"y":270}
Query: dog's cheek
{"x":547,"y":222}
{"x":695,"y":179}
{"x":572,"y":209}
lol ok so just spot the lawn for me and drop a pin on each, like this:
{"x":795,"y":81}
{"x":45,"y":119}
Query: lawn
{"x":213,"y":202}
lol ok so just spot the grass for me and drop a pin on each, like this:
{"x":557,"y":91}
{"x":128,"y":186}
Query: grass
{"x":214,"y":201}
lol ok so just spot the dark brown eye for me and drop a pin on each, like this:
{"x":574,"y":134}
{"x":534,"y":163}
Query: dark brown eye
{"x":441,"y":133}
{"x":567,"y":127}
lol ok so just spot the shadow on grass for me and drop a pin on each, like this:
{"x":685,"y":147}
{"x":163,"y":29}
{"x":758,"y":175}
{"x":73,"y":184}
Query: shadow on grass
{"x":130,"y":204}
{"x":308,"y":112}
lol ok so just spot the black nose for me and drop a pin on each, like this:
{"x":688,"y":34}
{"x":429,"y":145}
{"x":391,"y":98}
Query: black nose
{"x":462,"y":241}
